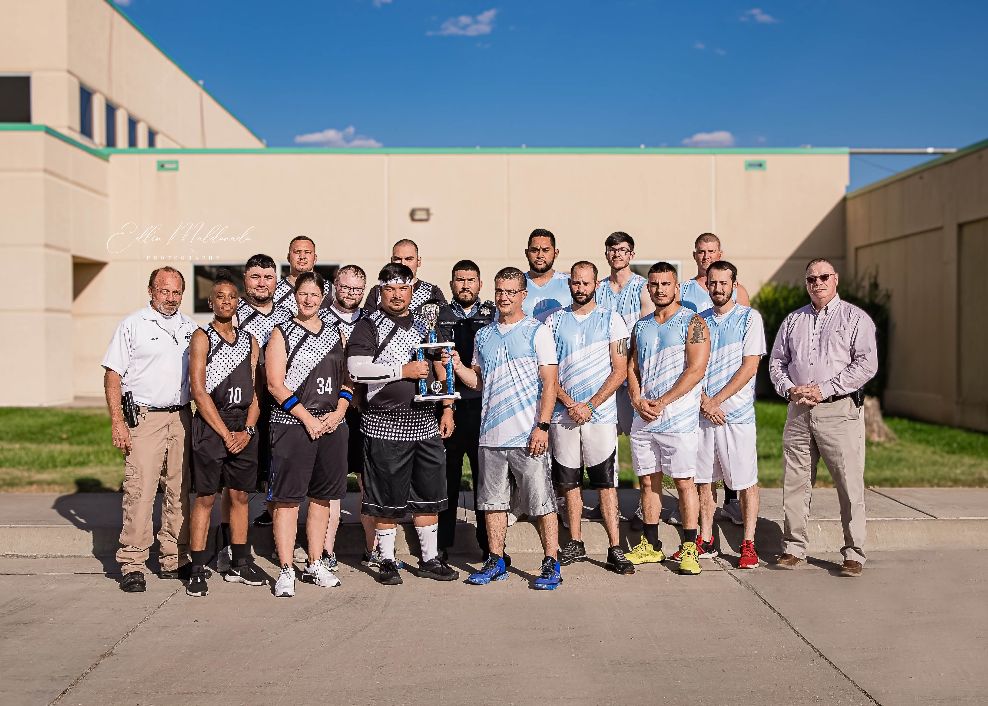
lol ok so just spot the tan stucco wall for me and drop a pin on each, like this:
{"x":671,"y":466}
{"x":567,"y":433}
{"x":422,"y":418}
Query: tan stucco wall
{"x":926,"y":235}
{"x":61,"y":43}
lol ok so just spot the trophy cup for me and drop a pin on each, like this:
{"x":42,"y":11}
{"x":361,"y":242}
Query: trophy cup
{"x":438,"y":390}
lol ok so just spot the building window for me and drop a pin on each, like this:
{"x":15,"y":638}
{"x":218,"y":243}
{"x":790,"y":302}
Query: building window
{"x":202,"y":283}
{"x":86,"y":112}
{"x":111,"y":124}
{"x":152,"y":138}
{"x":15,"y":99}
{"x":131,"y":132}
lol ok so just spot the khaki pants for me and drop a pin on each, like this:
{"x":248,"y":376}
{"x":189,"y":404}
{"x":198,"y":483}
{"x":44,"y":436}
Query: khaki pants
{"x":160,"y":449}
{"x":835,"y":432}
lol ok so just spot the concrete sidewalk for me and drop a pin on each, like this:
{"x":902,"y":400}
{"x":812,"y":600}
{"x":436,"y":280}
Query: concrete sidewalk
{"x":88,"y":524}
{"x":911,"y":630}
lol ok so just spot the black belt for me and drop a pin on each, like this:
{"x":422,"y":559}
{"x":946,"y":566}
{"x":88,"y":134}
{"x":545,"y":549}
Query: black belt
{"x":173,"y":408}
{"x":857,"y":395}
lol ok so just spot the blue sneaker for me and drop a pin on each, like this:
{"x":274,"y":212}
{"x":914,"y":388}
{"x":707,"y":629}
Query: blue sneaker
{"x":550,"y":578}
{"x":493,"y":570}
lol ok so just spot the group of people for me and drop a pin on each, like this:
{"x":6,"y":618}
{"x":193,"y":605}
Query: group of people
{"x":298,"y":381}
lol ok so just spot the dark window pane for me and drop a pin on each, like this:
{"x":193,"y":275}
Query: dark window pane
{"x":15,"y":99}
{"x":111,"y":124}
{"x":86,"y":112}
{"x":202,"y":281}
{"x":131,"y":132}
{"x":152,"y":138}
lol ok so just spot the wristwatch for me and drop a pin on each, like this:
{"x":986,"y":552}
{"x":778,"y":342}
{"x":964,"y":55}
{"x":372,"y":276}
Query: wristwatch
{"x":250,"y":430}
{"x":542,"y":426}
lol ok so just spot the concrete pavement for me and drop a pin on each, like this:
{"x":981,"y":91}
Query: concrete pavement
{"x":912,"y":629}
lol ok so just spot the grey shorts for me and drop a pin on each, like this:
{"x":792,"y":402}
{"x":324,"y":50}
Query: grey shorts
{"x":511,"y":479}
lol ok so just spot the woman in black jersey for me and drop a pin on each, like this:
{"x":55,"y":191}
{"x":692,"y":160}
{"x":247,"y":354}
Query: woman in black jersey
{"x":306,"y":375}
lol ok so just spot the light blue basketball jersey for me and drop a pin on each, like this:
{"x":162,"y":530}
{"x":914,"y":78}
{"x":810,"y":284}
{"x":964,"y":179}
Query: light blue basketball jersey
{"x":512,"y":385}
{"x":627,"y":302}
{"x":542,"y":301}
{"x":695,"y":296}
{"x":726,"y":356}
{"x":661,"y":351}
{"x":584,"y":352}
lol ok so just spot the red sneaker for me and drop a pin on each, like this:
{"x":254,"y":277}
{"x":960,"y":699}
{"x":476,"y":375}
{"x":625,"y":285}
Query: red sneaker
{"x":749,"y":558}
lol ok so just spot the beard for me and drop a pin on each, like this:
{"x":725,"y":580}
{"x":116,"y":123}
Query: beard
{"x":541,"y":269}
{"x":582,"y":299}
{"x":465,"y":298}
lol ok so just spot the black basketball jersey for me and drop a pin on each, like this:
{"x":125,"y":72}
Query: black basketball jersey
{"x":228,"y":373}
{"x":315,"y":369}
{"x":345,"y":326}
{"x":258,"y":324}
{"x":422,"y":293}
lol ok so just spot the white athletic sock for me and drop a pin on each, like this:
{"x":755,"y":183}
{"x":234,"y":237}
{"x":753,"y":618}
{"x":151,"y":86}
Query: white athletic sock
{"x":429,"y":541}
{"x":386,"y":542}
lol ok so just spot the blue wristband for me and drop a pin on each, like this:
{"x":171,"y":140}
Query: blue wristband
{"x":289,"y":403}
{"x":346,"y":395}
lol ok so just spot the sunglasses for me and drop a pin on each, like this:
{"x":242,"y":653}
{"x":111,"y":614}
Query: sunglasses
{"x":811,"y":279}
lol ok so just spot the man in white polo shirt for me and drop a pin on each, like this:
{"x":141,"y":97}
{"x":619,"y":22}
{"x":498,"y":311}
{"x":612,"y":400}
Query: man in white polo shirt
{"x":148,"y":361}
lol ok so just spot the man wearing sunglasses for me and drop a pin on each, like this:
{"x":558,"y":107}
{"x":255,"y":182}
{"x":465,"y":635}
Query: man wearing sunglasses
{"x":823,"y":355}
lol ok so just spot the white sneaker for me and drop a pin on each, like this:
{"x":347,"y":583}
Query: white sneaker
{"x":285,"y":586}
{"x":317,"y":573}
{"x":732,"y":511}
{"x":224,"y":559}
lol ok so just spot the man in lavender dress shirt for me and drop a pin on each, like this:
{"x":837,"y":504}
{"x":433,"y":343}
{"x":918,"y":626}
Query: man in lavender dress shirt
{"x":823,"y":355}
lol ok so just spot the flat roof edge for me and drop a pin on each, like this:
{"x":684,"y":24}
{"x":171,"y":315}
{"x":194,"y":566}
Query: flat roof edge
{"x":487,"y":150}
{"x":932,"y":164}
{"x":34,"y":127}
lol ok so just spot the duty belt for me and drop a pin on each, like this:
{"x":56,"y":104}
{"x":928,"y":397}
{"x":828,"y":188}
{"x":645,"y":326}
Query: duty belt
{"x":173,"y":408}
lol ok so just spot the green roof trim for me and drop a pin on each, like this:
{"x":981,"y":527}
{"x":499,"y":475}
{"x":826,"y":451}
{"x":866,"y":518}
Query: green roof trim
{"x":932,"y":164}
{"x":31,"y":127}
{"x":209,"y":93}
{"x":688,"y":151}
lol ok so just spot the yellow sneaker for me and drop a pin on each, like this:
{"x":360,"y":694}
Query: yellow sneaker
{"x":689,"y":559}
{"x":645,"y":553}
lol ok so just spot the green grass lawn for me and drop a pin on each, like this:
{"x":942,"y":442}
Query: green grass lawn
{"x":65,"y":450}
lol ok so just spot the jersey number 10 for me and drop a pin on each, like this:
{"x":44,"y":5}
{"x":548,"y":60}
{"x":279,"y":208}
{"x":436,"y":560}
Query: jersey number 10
{"x":234,"y":395}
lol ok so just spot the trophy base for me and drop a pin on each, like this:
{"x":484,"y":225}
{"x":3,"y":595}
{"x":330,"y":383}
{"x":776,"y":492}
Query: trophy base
{"x":436,"y":398}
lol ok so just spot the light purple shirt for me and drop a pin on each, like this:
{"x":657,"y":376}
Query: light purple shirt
{"x":834,"y":348}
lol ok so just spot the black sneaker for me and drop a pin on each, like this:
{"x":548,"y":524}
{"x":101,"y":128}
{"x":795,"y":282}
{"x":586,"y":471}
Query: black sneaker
{"x":197,"y":583}
{"x":618,"y":562}
{"x":263,"y":520}
{"x":133,"y":582}
{"x":437,"y":569}
{"x":388,"y":574}
{"x":246,"y":573}
{"x":372,"y":558}
{"x":571,"y":552}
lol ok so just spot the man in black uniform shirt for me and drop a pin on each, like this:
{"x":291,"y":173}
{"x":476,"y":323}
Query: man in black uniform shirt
{"x":301,"y":258}
{"x":459,"y":322}
{"x":406,"y":252}
{"x":404,"y":459}
{"x":222,"y":360}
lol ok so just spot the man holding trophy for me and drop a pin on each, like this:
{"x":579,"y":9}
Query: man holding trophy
{"x":405,"y":463}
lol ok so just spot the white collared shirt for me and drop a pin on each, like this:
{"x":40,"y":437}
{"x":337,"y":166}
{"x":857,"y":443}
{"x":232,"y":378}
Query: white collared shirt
{"x":151,"y":354}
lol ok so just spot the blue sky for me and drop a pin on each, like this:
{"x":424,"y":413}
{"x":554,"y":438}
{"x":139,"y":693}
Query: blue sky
{"x":437,"y":73}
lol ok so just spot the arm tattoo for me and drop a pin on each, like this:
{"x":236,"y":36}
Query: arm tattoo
{"x":622,"y":347}
{"x":696,"y":335}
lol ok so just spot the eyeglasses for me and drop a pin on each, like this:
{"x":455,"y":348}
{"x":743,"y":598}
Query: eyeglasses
{"x":619,"y":251}
{"x":811,"y":279}
{"x":347,"y":288}
{"x":510,"y":293}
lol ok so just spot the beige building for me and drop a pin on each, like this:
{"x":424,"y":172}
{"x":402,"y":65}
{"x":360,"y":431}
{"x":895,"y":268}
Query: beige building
{"x":114,"y":161}
{"x":925,"y":233}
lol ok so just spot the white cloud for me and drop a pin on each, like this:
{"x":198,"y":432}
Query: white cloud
{"x":717,"y":138}
{"x":331,"y":137}
{"x":467,"y":25}
{"x":379,"y":3}
{"x":699,"y":45}
{"x":702,"y":46}
{"x":122,"y":3}
{"x":757,"y":14}
{"x":720,"y":52}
